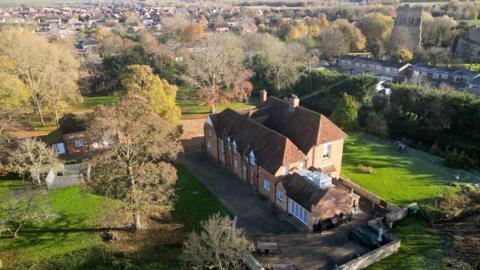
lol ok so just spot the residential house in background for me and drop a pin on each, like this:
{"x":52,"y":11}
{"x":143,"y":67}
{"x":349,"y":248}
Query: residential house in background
{"x":474,"y":85}
{"x":384,"y":70}
{"x":286,"y":152}
{"x":435,"y":76}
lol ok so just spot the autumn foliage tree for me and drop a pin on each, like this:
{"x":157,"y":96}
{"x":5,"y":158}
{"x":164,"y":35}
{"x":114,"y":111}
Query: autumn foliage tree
{"x":47,"y":70}
{"x":137,"y":167}
{"x":159,"y":93}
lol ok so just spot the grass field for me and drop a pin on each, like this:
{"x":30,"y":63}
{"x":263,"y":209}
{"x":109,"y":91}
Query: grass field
{"x":75,"y":232}
{"x":401,"y":178}
{"x":398,"y":177}
{"x":189,"y":108}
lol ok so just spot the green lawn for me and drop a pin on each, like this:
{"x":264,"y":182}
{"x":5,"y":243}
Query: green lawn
{"x":401,"y":178}
{"x":194,"y":201}
{"x":72,"y":229}
{"x":72,"y":238}
{"x":190,"y":108}
{"x":193,"y":108}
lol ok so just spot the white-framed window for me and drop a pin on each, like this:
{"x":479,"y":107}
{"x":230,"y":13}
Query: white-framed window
{"x":79,"y":143}
{"x":235,"y":163}
{"x":327,"y":149}
{"x":244,"y":170}
{"x":298,"y":211}
{"x":209,"y":145}
{"x":280,"y":196}
{"x":285,"y":170}
{"x":266,"y":184}
{"x":59,"y":148}
{"x":229,"y":144}
{"x":252,"y":158}
{"x":209,"y":132}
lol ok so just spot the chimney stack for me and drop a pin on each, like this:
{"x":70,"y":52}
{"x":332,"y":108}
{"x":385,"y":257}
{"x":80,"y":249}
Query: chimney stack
{"x":263,"y":96}
{"x":294,"y":101}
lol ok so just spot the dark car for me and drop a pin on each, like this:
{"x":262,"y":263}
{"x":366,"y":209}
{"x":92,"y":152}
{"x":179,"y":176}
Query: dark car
{"x":367,"y":236}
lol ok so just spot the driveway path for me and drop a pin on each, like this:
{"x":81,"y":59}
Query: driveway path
{"x":254,"y":214}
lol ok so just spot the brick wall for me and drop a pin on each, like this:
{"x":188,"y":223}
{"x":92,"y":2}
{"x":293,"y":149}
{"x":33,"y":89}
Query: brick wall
{"x":315,"y":157}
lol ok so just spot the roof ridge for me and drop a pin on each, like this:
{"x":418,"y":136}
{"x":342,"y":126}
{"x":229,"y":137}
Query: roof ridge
{"x":266,"y":128}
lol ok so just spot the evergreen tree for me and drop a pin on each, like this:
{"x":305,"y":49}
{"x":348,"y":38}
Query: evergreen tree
{"x":345,"y":114}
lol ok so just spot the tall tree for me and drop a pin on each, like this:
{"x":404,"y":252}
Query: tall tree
{"x":13,"y":99}
{"x":345,"y":114}
{"x":137,"y":168}
{"x":217,"y":246}
{"x":28,"y":52}
{"x":351,"y":35}
{"x":376,"y":28}
{"x":217,"y":66}
{"x":61,"y":80}
{"x":278,"y":63}
{"x":332,"y":43}
{"x":161,"y":95}
{"x":43,"y":67}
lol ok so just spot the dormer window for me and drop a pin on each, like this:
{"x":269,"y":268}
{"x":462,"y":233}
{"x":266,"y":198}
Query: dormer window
{"x":252,"y":158}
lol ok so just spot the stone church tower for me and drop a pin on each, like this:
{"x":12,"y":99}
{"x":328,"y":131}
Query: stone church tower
{"x":407,"y":30}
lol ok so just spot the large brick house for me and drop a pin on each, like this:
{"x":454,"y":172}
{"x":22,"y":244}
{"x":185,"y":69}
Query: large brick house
{"x":285,"y":151}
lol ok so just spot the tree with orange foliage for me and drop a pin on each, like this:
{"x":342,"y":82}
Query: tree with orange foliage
{"x":194,"y":32}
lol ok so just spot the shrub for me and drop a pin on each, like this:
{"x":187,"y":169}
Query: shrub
{"x":365,"y":169}
{"x":448,"y":206}
{"x":458,"y":159}
{"x":376,"y":124}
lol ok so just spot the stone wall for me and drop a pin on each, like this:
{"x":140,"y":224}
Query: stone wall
{"x":372,"y":256}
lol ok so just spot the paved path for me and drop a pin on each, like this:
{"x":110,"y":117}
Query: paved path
{"x":254,"y":215}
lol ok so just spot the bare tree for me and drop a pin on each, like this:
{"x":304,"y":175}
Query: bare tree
{"x":26,"y":207}
{"x":332,"y":43}
{"x":217,"y":246}
{"x":33,"y":158}
{"x":136,"y":168}
{"x":278,"y":62}
{"x":217,"y":66}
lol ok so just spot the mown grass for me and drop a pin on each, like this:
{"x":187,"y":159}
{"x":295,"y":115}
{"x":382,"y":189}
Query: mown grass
{"x":421,"y":248}
{"x":191,"y":108}
{"x":195,"y":202}
{"x":398,"y":177}
{"x":72,"y":239}
{"x":72,"y":229}
{"x":401,"y":178}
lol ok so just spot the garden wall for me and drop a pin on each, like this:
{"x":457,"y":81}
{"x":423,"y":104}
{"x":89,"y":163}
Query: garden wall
{"x":366,"y":194}
{"x":372,"y":256}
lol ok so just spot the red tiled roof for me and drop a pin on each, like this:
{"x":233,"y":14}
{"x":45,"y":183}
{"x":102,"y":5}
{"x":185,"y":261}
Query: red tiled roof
{"x":271,"y":149}
{"x":304,"y":127}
